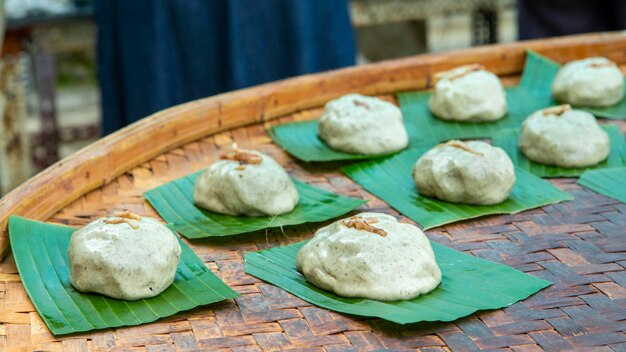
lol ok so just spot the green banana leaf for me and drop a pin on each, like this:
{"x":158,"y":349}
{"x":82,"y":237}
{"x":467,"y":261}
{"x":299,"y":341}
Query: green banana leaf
{"x":610,"y":182}
{"x":540,"y":72}
{"x":40,"y":252}
{"x":174,"y":202}
{"x":468,"y":284}
{"x":538,"y":75}
{"x":431,"y":129}
{"x":391,"y":180}
{"x":300,"y":138}
{"x":508,"y":140}
{"x":301,"y":141}
{"x":533,"y":93}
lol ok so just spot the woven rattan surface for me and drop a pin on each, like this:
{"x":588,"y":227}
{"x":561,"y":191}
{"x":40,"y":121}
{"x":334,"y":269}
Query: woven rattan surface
{"x":578,"y":245}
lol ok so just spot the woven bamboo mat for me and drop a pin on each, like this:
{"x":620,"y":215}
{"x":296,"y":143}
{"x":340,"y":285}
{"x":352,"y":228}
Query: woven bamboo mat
{"x":579,"y":245}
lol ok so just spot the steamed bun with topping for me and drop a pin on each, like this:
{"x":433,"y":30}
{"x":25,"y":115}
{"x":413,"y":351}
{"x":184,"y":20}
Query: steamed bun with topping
{"x":359,"y":124}
{"x":564,"y":137}
{"x":370,"y":255}
{"x":246,"y":182}
{"x":468,"y":93}
{"x":595,"y":81}
{"x":471,"y":173}
{"x":125,"y":257}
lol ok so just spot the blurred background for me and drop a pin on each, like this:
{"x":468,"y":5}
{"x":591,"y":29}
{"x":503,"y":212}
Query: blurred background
{"x":75,"y":70}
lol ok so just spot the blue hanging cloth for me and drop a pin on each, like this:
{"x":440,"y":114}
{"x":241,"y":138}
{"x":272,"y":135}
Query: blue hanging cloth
{"x":153,"y":54}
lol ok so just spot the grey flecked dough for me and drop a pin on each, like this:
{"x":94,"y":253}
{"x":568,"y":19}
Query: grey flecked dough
{"x":360,"y":124}
{"x":468,"y":93}
{"x":472,"y":173}
{"x":594,"y":81}
{"x":227,"y":187}
{"x":572,"y":138}
{"x":359,"y":263}
{"x":127,"y":260}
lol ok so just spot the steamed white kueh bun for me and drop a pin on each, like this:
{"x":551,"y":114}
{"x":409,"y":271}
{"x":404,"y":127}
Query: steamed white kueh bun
{"x":468,"y":93}
{"x":124,"y":256}
{"x":246,"y":182}
{"x":561,"y":136}
{"x":360,"y":124}
{"x":370,"y":255}
{"x":595,"y":81}
{"x":471,"y":173}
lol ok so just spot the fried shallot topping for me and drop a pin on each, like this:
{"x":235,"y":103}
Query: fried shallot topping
{"x":360,"y":103}
{"x":463,"y":70}
{"x":243,"y":157}
{"x":124,"y":217}
{"x":364,"y":224}
{"x":371,"y":220}
{"x":603,"y":64}
{"x":557,"y":110}
{"x":459,"y":145}
{"x":127,"y":215}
